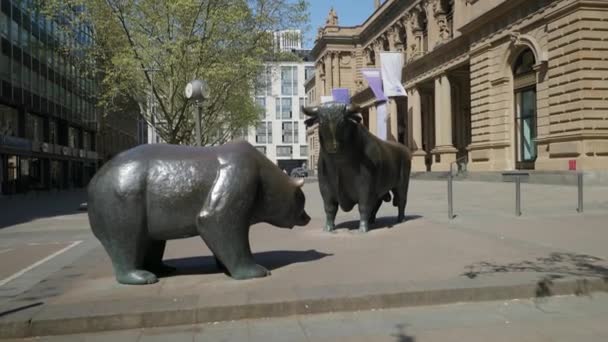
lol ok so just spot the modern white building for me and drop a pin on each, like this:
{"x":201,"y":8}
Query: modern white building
{"x":281,"y":133}
{"x":288,"y":40}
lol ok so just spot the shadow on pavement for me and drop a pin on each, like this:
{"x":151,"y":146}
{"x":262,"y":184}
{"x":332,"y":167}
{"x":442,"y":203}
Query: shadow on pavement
{"x":271,"y":260}
{"x":381,"y":222}
{"x":558,"y":265}
{"x":555,"y":266}
{"x":401,"y":336}
{"x":24,"y":208}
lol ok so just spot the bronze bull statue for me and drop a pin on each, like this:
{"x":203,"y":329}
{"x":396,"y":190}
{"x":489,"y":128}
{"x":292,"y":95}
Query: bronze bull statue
{"x":356,"y":167}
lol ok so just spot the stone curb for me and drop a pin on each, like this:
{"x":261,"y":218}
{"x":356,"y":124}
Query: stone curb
{"x":196,"y":315}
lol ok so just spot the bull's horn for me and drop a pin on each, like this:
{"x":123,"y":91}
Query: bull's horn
{"x":352,"y":108}
{"x":299,"y":182}
{"x":310,"y":111}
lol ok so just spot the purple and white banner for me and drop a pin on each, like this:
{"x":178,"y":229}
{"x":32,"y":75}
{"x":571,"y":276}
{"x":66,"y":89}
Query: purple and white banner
{"x":326,"y":99}
{"x":392,"y":68}
{"x":374,"y":79}
{"x":381,"y":120}
{"x":341,"y":95}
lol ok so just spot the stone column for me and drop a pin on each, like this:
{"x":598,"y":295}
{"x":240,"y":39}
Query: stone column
{"x":431,"y":26}
{"x":373,"y":120}
{"x":444,"y":151}
{"x":329,"y":72}
{"x":336,"y":69}
{"x":414,"y":108}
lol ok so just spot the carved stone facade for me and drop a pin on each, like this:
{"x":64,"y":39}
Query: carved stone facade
{"x":496,"y":84}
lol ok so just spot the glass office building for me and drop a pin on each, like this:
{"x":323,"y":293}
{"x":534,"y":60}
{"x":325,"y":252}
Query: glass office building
{"x":48,"y":123}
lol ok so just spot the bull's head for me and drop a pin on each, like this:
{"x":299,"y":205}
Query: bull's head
{"x":338,"y":124}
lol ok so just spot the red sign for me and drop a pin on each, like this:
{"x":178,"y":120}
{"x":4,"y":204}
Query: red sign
{"x":572,"y":165}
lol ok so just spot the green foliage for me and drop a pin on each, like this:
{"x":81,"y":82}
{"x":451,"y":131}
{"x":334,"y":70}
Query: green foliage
{"x":146,"y":49}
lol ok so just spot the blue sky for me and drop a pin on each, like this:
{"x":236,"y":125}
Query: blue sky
{"x":350,"y":13}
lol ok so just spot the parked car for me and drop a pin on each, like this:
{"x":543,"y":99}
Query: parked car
{"x":299,"y":172}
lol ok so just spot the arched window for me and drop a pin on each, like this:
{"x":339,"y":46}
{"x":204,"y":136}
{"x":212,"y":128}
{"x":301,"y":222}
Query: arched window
{"x":524,"y":82}
{"x":524,"y":63}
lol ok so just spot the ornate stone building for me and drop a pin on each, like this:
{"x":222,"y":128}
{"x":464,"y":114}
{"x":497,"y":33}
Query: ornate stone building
{"x":496,"y":84}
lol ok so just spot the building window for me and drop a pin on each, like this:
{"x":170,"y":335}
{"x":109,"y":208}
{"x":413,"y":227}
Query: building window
{"x":261,"y":102}
{"x":284,"y":151}
{"x":263,"y":133}
{"x":290,"y":132}
{"x":8,"y":121}
{"x":4,"y":25}
{"x":33,"y":128}
{"x":262,"y":149}
{"x":263,"y":84}
{"x":309,"y":72}
{"x":283,"y":108}
{"x":525,"y":109}
{"x":53,"y":132}
{"x":303,"y":151}
{"x":289,"y":80}
{"x":524,"y":63}
{"x":287,"y":133}
{"x":73,"y":137}
{"x":302,"y":103}
{"x":86,"y":141}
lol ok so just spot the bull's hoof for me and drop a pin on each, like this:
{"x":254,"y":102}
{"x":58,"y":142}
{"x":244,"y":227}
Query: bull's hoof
{"x":250,"y":271}
{"x":400,"y":219}
{"x":137,"y":277}
{"x":329,"y":228}
{"x":363,"y":227}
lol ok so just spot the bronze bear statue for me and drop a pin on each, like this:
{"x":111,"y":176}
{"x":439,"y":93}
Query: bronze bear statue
{"x":153,"y":193}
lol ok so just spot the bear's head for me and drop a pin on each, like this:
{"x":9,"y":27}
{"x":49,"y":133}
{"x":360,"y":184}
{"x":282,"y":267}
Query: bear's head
{"x":289,"y":210}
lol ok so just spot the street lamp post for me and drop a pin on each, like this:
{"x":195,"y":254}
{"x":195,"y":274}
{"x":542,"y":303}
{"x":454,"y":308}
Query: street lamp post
{"x":197,"y":91}
{"x":149,"y":115}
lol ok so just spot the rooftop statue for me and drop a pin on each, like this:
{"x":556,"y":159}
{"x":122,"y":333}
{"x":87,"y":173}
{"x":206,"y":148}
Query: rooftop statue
{"x":332,"y":18}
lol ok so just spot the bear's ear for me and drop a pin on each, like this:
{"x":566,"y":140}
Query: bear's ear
{"x":299,"y":182}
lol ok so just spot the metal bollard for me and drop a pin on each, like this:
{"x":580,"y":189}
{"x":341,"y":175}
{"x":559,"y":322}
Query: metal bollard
{"x":517,"y":195}
{"x":450,"y":203}
{"x":580,"y":193}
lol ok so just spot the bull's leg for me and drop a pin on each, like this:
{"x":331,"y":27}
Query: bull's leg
{"x":153,"y":260}
{"x":398,"y":201}
{"x":372,"y":218}
{"x":385,"y":198}
{"x":402,"y":201}
{"x":330,"y":204}
{"x":366,"y":207}
{"x":331,"y":209}
{"x":402,"y":191}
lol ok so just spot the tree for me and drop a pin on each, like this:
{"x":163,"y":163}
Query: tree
{"x":148,"y":50}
